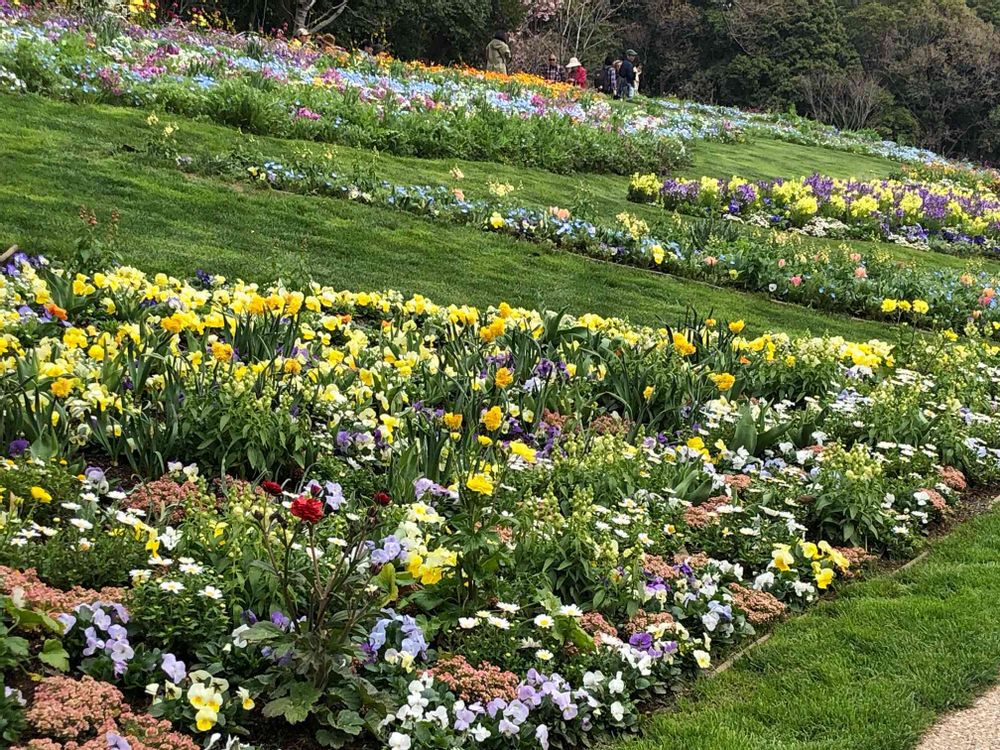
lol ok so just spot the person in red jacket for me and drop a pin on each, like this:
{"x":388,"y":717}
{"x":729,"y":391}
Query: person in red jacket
{"x":576,"y":73}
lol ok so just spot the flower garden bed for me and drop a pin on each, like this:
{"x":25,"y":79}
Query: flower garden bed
{"x":361,"y":518}
{"x":271,"y":86}
{"x":944,"y":216}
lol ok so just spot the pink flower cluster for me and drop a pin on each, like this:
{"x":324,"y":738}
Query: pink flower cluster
{"x":92,"y":715}
{"x":595,"y":624}
{"x":482,"y":683}
{"x":856,"y":557}
{"x":698,"y":516}
{"x":52,"y":600}
{"x":737,"y":481}
{"x":642,"y":619}
{"x":760,"y":607}
{"x":936,"y":500}
{"x":658,"y":567}
{"x":163,"y":493}
{"x":953,"y":478}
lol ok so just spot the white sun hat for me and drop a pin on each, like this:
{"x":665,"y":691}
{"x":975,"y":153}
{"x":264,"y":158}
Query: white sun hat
{"x":573,"y":63}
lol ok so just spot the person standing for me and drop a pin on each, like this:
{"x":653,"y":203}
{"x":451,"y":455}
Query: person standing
{"x":626,"y":75}
{"x":554,"y":71}
{"x":608,"y":79}
{"x":498,"y":53}
{"x":576,"y":74}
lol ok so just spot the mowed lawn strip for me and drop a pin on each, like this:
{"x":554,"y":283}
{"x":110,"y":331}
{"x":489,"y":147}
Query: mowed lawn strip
{"x":869,"y":670}
{"x":174,"y":223}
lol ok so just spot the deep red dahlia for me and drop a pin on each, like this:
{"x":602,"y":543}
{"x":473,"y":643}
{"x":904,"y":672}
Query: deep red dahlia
{"x":271,"y":488}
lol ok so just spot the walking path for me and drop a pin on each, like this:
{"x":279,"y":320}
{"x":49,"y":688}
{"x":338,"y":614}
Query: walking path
{"x":975,"y":728}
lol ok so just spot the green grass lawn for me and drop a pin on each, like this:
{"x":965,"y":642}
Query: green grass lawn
{"x":763,"y":159}
{"x":35,"y":127}
{"x":55,"y":158}
{"x":869,"y":670}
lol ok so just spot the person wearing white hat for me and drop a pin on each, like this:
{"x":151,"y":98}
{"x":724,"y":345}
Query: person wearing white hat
{"x":576,"y":74}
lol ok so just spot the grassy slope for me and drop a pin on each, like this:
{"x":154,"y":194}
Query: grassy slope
{"x":606,"y":194}
{"x":55,"y":158}
{"x":868,"y":670}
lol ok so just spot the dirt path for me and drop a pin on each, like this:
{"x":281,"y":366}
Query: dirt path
{"x":974,"y":728}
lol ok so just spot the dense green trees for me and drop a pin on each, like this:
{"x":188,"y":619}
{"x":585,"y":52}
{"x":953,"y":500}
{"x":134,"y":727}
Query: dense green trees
{"x":923,"y":71}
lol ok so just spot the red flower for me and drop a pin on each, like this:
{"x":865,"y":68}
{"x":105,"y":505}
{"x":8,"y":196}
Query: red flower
{"x":271,"y":488}
{"x":309,"y":509}
{"x":382,"y":498}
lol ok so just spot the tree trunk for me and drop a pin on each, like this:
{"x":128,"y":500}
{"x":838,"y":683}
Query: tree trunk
{"x":302,"y":8}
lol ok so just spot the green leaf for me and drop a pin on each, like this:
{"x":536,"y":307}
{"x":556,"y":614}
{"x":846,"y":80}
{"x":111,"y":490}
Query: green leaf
{"x":15,"y":646}
{"x":387,"y":579}
{"x":297,"y":706}
{"x":350,"y":722}
{"x":54,"y":655}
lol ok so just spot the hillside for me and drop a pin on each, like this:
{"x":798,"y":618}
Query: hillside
{"x":356,"y":402}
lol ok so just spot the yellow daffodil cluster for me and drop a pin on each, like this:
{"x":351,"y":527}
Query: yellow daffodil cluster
{"x":632,"y":224}
{"x":644,"y":188}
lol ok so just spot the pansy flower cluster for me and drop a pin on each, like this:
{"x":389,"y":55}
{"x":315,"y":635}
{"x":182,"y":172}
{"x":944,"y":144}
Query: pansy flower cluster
{"x":908,"y":212}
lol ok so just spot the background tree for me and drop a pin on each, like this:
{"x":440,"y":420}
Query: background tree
{"x":314,"y":15}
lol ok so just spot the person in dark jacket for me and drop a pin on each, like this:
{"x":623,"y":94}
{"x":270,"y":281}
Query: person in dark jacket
{"x":608,"y":77}
{"x":626,"y":75}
